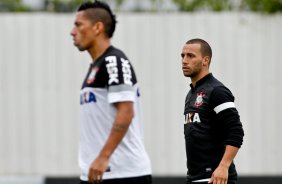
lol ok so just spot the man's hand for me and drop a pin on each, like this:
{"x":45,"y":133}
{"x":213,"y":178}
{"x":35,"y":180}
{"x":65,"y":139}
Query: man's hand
{"x":220,"y":175}
{"x":97,"y":169}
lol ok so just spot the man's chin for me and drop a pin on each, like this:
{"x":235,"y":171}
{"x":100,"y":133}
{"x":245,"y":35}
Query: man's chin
{"x":78,"y":47}
{"x":187,"y":74}
{"x":81,"y":49}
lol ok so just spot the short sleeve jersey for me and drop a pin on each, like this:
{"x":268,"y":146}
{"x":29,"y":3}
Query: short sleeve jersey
{"x":111,"y":79}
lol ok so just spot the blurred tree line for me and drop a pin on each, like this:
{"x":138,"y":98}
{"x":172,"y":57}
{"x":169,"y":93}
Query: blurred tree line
{"x":12,"y":5}
{"x":264,"y":6}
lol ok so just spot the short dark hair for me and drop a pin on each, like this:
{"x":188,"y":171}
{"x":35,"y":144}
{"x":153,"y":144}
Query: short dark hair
{"x":102,"y":13}
{"x":205,"y":47}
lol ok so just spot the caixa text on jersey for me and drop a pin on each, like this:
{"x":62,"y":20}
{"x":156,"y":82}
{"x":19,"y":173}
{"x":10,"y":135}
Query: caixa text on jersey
{"x":192,"y":117}
{"x":87,"y":97}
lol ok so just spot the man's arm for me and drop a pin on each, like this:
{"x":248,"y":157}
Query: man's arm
{"x":123,"y":118}
{"x":231,"y":131}
{"x":220,"y":175}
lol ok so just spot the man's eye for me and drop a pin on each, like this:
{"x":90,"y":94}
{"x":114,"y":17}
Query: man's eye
{"x":190,"y":55}
{"x":182,"y":55}
{"x":77,"y":24}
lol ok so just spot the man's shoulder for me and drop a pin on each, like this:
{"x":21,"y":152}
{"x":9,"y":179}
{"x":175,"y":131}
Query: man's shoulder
{"x":218,"y":87}
{"x":215,"y":87}
{"x":220,"y":93}
{"x":214,"y":82}
{"x":113,"y":51}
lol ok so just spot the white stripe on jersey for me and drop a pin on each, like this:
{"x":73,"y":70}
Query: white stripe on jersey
{"x":224,"y":106}
{"x":122,"y":96}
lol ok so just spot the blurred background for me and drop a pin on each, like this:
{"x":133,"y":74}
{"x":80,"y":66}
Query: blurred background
{"x":41,"y":73}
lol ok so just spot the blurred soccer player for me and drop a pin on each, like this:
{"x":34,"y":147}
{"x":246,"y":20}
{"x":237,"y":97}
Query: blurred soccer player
{"x":111,"y":148}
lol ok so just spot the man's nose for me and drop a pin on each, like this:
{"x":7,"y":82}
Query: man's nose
{"x":184,"y":60}
{"x":73,"y":32}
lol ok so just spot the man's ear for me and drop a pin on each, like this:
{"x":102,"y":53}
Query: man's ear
{"x":206,"y":61}
{"x":98,"y":28}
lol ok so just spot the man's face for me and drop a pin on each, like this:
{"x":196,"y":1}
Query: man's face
{"x":83,"y":32}
{"x":192,"y":60}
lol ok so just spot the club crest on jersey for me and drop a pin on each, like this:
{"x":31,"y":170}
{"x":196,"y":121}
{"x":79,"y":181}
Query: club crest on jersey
{"x":92,"y":75}
{"x":199,"y":100}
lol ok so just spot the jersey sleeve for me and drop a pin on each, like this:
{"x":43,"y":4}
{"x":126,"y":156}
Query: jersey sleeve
{"x":228,"y":119}
{"x":121,"y":79}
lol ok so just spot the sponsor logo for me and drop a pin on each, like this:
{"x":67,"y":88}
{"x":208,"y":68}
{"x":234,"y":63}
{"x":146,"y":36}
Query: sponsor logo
{"x":112,"y":69}
{"x":199,"y":100}
{"x":126,"y":70}
{"x":192,"y":117}
{"x":87,"y":97}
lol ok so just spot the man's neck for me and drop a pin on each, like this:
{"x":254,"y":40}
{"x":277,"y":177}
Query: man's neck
{"x":195,"y":79}
{"x":96,"y":51}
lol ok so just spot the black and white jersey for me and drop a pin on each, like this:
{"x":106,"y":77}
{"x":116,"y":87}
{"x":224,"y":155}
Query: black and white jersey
{"x":211,"y":123}
{"x":111,"y":79}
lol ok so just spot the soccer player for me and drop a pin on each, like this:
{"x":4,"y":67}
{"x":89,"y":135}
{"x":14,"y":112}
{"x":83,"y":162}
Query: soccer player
{"x":111,"y":148}
{"x":213,"y":130}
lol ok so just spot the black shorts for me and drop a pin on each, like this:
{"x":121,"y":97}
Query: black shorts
{"x":134,"y":180}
